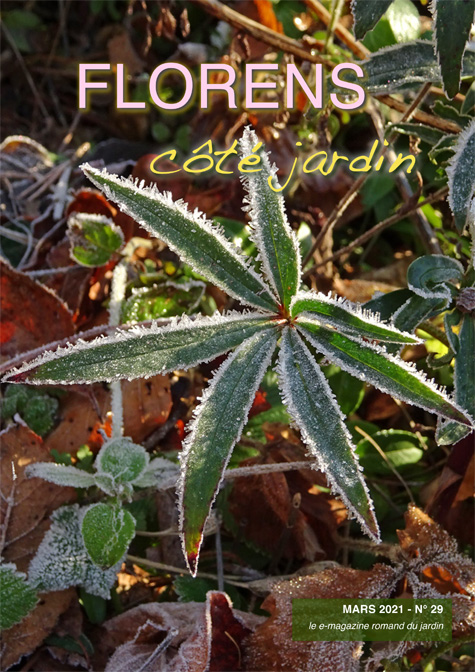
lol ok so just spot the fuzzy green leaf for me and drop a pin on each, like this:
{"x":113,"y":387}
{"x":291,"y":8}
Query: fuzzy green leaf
{"x":36,"y":407}
{"x":123,"y":460}
{"x":198,"y":241}
{"x":63,"y":561}
{"x":453,"y":20}
{"x":386,"y":372}
{"x":348,"y":318}
{"x":405,"y":66}
{"x":107,"y":532}
{"x":216,"y":428}
{"x":312,"y":405}
{"x":142,"y":351}
{"x":462,"y":177}
{"x":93,"y":238}
{"x":60,"y":474}
{"x":430,"y":276}
{"x":17,"y":597}
{"x":277,"y":244}
{"x":366,"y":14}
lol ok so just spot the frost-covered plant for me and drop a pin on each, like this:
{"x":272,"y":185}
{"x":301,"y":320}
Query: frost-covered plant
{"x":303,"y":323}
{"x":106,"y":528}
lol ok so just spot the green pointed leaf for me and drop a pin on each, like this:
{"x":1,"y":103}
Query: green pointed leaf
{"x":142,"y":351}
{"x":277,"y":244}
{"x":453,"y":20}
{"x":406,"y":65}
{"x":366,"y":14}
{"x":430,"y":276}
{"x":195,"y":239}
{"x":312,"y":405}
{"x":464,"y":380}
{"x":17,"y":597}
{"x":216,"y":428}
{"x":348,"y":318}
{"x":427,"y":134}
{"x":60,"y":474}
{"x":387,"y":372}
{"x":107,"y":532}
{"x":462,"y":177}
{"x":63,"y":561}
{"x":123,"y":460}
{"x":93,"y":238}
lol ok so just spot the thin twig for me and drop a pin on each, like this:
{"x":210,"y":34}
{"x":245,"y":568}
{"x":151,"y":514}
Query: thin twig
{"x":401,"y":214}
{"x":385,"y":458}
{"x":259,"y":469}
{"x":263,"y":33}
{"x":28,"y":77}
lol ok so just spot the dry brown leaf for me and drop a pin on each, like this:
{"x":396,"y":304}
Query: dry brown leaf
{"x":26,"y":503}
{"x":147,"y":405}
{"x":263,"y":507}
{"x":31,"y":314}
{"x":25,"y":507}
{"x":121,"y":50}
{"x":25,"y":637}
{"x":436,"y":567}
{"x":208,"y":636}
{"x":270,"y":646}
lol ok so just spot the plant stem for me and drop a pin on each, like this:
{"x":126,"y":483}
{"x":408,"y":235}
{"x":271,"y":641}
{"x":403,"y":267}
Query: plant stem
{"x":442,"y":648}
{"x":337,"y":7}
{"x":119,"y":281}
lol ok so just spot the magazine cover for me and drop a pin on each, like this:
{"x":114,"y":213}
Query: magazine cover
{"x":238,"y":335}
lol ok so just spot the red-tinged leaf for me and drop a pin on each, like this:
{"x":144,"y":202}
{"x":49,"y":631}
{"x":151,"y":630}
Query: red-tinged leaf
{"x":31,"y":315}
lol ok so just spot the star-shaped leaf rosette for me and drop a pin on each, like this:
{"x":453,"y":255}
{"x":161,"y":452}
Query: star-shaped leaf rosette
{"x":283,"y":315}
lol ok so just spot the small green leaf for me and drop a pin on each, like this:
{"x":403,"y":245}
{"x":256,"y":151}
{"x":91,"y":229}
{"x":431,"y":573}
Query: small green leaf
{"x":216,"y":428}
{"x":386,"y":372}
{"x":123,"y":460}
{"x":143,"y":351}
{"x":17,"y":597}
{"x":198,"y":241}
{"x":462,"y":177}
{"x":401,"y":448}
{"x":107,"y":532}
{"x":60,"y":474}
{"x":63,"y":561}
{"x":366,"y":14}
{"x":348,"y":318}
{"x":400,"y":23}
{"x":93,"y":238}
{"x":36,"y":407}
{"x":430,"y":276}
{"x":166,"y":299}
{"x":275,"y":240}
{"x":453,"y":21}
{"x":312,"y":405}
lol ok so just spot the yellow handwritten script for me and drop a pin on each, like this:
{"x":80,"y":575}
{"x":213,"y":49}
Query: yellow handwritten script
{"x":206,"y":158}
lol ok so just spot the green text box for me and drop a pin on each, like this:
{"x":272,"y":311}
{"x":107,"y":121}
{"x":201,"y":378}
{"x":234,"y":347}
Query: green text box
{"x":366,"y":620}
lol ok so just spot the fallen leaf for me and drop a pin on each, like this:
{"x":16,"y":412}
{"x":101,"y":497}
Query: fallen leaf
{"x":264,"y":507}
{"x":147,"y":405}
{"x":25,"y":507}
{"x":31,"y":314}
{"x":208,"y":636}
{"x":270,"y":646}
